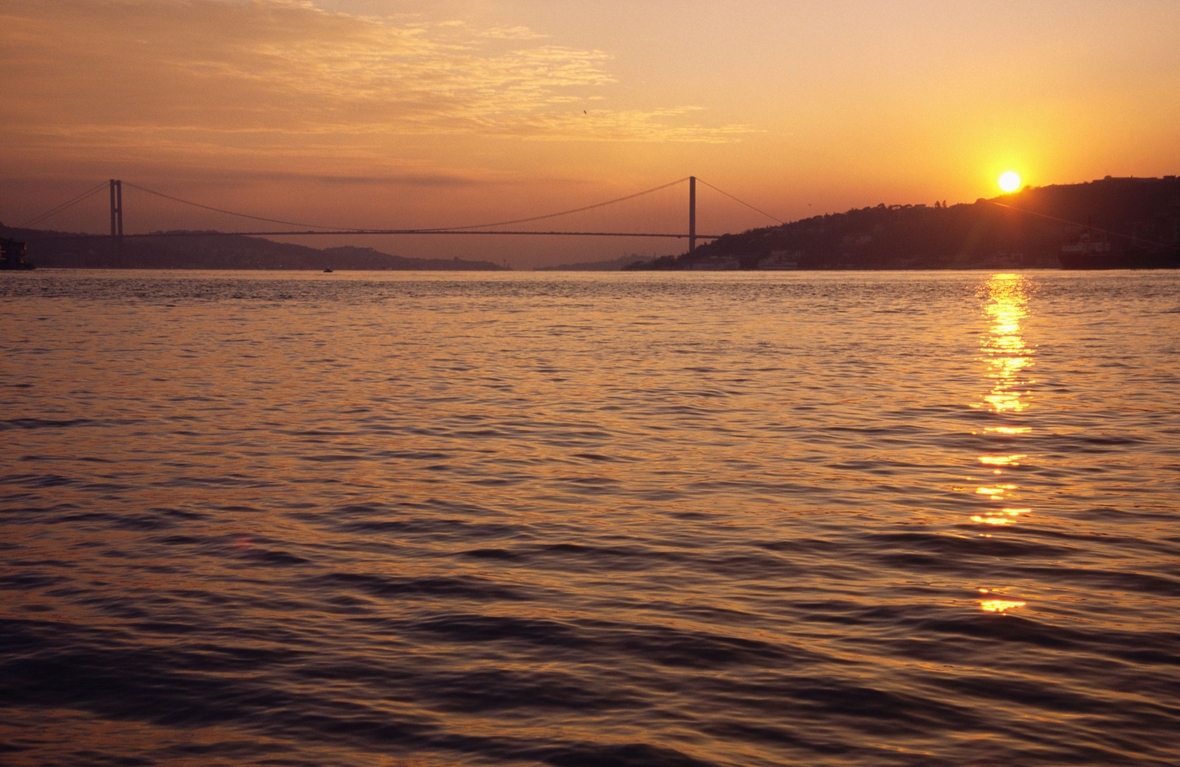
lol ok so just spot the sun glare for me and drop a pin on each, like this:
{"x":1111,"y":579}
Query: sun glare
{"x":1010,"y":181}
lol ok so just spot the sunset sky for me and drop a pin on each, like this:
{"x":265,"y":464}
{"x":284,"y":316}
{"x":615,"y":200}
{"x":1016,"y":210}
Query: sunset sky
{"x":389,"y":113}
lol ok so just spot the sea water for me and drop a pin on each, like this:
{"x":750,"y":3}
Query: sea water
{"x":617,"y":519}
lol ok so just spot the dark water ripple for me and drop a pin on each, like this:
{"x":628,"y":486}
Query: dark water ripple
{"x":765,"y":519}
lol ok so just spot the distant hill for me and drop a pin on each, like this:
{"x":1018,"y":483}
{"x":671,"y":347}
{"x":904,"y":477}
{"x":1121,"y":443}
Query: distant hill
{"x":1027,"y":229}
{"x":213,"y":250}
{"x":613,"y":265}
{"x":367,"y":258}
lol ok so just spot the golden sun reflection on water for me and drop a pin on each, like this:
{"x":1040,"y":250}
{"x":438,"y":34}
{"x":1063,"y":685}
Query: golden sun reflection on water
{"x":1008,"y":358}
{"x":999,"y":605}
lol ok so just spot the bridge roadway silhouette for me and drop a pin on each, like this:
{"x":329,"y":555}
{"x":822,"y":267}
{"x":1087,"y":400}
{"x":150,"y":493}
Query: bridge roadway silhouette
{"x":116,"y":197}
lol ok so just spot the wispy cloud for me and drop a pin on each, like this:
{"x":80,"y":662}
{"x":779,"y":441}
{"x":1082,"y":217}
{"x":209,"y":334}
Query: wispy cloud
{"x":511,"y":33}
{"x":670,"y":125}
{"x":274,"y":75}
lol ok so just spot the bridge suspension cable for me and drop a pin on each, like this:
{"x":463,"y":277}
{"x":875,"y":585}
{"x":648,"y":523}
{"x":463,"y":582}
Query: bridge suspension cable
{"x":311,"y":232}
{"x":743,"y":202}
{"x":65,"y":205}
{"x":564,"y":212}
{"x":227,"y":212}
{"x":416,"y":231}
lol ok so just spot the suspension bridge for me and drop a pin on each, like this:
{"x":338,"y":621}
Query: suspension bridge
{"x":494,"y":228}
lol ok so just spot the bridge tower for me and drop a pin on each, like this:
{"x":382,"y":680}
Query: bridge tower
{"x":116,"y":209}
{"x":692,"y":213}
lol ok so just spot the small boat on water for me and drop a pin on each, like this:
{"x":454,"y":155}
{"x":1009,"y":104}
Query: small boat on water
{"x":327,"y":271}
{"x":12,"y":255}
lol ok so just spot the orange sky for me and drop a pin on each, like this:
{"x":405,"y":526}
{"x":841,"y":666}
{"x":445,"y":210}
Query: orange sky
{"x":402,"y":114}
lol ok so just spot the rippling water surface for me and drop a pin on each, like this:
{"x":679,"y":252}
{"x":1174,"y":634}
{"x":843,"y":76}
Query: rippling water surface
{"x":742,"y":519}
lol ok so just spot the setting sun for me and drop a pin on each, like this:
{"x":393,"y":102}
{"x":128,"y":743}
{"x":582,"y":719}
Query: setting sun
{"x":1010,"y":181}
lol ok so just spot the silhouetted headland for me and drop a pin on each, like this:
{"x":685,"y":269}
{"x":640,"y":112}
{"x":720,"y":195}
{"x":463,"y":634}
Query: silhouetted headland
{"x":1136,"y":220}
